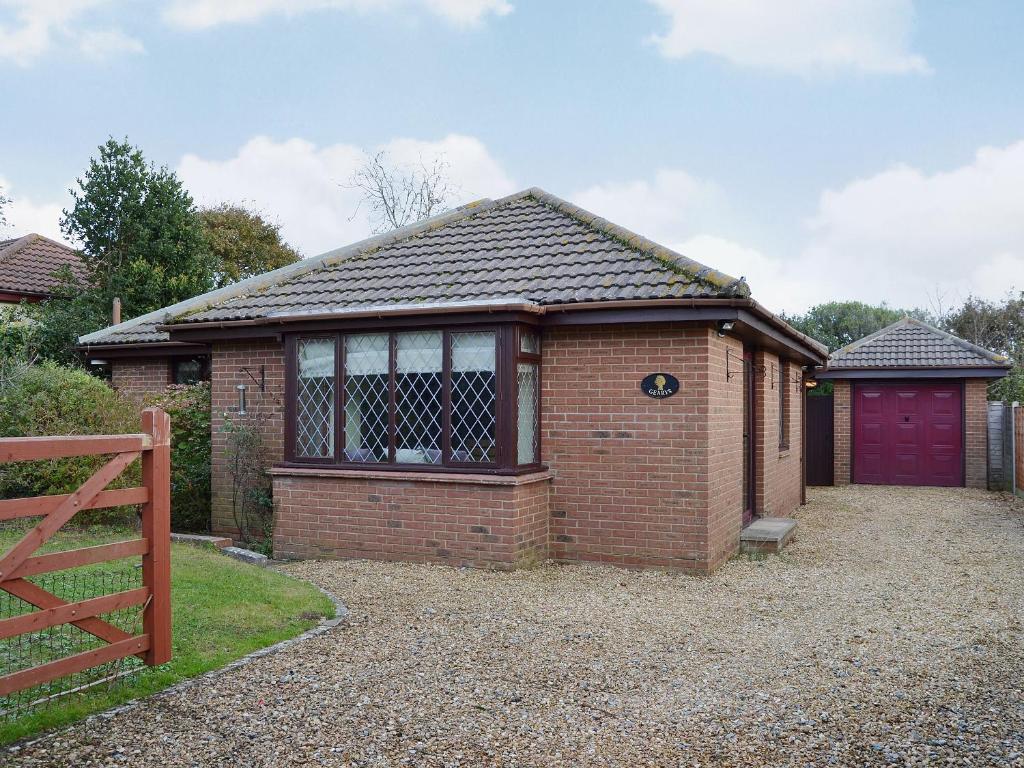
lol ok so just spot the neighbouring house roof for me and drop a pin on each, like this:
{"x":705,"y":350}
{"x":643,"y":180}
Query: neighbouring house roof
{"x":27,"y":264}
{"x":912,"y":344}
{"x":530,"y":249}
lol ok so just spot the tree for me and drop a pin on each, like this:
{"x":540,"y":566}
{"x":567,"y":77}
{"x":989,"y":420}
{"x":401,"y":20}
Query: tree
{"x":243,"y":243}
{"x":839,"y":323}
{"x":140,"y":237}
{"x":398,"y":195}
{"x":999,"y":327}
{"x":4,"y":202}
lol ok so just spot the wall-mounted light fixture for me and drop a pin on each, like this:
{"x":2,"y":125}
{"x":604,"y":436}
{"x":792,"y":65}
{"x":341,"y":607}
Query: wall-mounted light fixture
{"x":724,"y":326}
{"x":97,"y":362}
{"x":810,"y":383}
{"x":241,"y":399}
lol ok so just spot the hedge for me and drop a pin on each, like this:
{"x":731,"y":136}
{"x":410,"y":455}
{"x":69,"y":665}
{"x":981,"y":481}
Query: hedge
{"x":51,"y":399}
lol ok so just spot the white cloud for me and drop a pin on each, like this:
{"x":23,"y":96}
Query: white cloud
{"x":794,"y":36}
{"x":671,"y":206}
{"x":680,"y":211}
{"x":31,"y":28}
{"x":25,"y":215}
{"x":902,"y":236}
{"x":302,"y":185}
{"x":103,"y":44}
{"x":202,"y":14}
{"x":906,"y":236}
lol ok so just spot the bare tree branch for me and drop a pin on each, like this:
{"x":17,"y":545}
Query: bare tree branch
{"x":397,"y":195}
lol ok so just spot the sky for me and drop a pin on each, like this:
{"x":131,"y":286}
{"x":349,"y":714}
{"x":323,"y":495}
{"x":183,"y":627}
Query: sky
{"x":823,"y":149}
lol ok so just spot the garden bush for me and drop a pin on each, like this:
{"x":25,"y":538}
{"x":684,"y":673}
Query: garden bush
{"x":189,"y":408}
{"x":50,"y":399}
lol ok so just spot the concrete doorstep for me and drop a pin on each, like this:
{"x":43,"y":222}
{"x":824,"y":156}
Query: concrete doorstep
{"x":220,"y":542}
{"x":767,"y":535}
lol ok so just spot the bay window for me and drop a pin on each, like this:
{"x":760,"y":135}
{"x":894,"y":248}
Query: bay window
{"x":464,"y":399}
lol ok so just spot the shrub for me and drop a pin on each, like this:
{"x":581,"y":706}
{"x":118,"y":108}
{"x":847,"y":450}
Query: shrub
{"x":189,"y":408}
{"x":50,"y":399}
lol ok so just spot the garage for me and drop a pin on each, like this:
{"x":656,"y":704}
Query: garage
{"x":908,"y":407}
{"x":908,"y":433}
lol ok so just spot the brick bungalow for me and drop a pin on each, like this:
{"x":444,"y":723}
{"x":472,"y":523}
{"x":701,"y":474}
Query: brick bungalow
{"x":909,"y":407}
{"x":514,"y":380}
{"x":27,"y":267}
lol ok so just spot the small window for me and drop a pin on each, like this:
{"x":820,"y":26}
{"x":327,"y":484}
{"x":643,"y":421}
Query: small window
{"x":314,"y":412}
{"x":474,"y":397}
{"x":529,"y":342}
{"x":366,"y":397}
{"x":190,"y":370}
{"x":418,"y":365}
{"x":527,"y":416}
{"x":784,"y":395}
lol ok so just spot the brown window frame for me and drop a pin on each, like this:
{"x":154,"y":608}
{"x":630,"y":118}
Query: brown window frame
{"x":507,"y":355}
{"x":785,"y":404}
{"x":204,"y":361}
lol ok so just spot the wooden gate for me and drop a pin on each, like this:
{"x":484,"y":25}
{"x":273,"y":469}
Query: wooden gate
{"x":820,"y":440}
{"x":153,"y":645}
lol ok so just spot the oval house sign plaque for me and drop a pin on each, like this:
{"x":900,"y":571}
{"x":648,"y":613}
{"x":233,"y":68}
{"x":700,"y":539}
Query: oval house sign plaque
{"x":659,"y":385}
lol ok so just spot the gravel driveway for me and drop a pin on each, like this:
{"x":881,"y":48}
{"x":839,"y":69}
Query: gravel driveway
{"x":890,"y":632}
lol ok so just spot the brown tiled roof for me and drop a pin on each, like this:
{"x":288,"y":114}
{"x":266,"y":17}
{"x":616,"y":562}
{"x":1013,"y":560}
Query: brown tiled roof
{"x":910,"y":343}
{"x":27,"y":264}
{"x":531,"y":247}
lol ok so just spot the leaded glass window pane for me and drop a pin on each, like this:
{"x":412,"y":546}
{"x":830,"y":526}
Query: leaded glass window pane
{"x":527,"y":421}
{"x":366,"y":397}
{"x":314,"y":413}
{"x":529,"y":342}
{"x":474,"y":397}
{"x":418,"y":362}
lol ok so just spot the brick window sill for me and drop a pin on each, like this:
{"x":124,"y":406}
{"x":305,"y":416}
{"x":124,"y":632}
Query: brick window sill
{"x":784,"y":452}
{"x":416,"y":477}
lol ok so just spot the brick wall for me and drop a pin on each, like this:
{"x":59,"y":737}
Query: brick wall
{"x":725,"y":447}
{"x":779,"y":468}
{"x":842,"y":430}
{"x":635,"y":481}
{"x":976,"y":432}
{"x":493,"y":522}
{"x":265,"y":412}
{"x":632,"y":482}
{"x":138,"y":377}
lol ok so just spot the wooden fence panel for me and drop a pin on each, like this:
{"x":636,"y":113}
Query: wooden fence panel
{"x":18,"y":563}
{"x":1018,"y":433}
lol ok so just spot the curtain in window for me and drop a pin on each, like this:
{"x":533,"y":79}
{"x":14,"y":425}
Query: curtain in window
{"x":366,"y":397}
{"x":418,"y":364}
{"x":474,"y":397}
{"x":314,"y":413}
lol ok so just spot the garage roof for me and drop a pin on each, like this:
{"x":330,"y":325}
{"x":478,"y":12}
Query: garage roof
{"x":912,"y":345}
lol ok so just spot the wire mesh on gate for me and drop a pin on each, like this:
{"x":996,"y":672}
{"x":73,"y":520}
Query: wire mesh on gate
{"x":54,"y":643}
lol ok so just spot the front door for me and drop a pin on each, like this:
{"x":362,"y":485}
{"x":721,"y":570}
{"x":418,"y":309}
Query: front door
{"x":749,"y":454}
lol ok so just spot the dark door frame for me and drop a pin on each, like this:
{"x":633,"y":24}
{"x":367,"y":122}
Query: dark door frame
{"x":750,"y":438}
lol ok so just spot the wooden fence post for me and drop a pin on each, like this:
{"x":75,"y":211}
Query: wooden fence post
{"x":156,"y":528}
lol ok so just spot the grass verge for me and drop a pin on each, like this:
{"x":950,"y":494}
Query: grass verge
{"x":222,"y":610}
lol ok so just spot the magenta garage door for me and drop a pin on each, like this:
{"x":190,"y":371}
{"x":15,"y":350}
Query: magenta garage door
{"x":908,"y":433}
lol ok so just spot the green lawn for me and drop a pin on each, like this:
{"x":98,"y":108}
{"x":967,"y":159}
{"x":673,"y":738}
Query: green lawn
{"x":222,"y":610}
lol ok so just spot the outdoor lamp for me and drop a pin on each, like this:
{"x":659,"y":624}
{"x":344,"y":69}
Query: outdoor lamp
{"x":724,"y":326}
{"x":241,"y":399}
